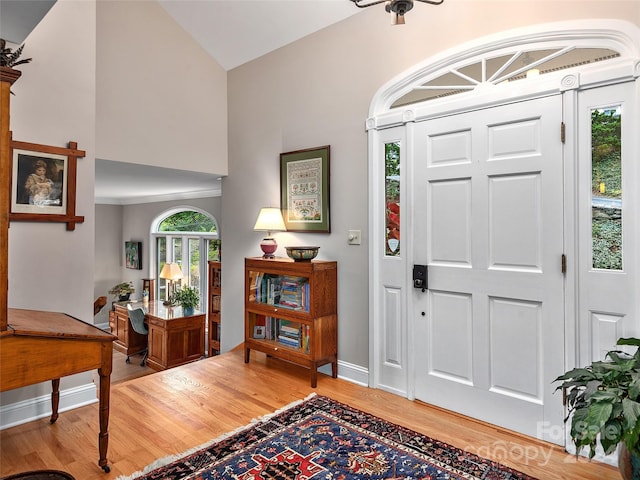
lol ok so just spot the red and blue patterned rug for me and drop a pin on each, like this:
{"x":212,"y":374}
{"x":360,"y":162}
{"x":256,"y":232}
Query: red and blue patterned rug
{"x":320,"y":438}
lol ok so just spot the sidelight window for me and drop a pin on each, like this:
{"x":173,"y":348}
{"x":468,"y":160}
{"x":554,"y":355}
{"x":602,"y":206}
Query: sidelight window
{"x":606,"y":187}
{"x":392,"y":198}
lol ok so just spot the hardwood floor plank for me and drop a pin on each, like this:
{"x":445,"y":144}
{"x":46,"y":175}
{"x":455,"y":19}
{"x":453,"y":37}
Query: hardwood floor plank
{"x":168,"y":412}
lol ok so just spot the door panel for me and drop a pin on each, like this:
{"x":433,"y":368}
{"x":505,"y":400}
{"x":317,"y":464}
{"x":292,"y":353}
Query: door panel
{"x":490,"y":227}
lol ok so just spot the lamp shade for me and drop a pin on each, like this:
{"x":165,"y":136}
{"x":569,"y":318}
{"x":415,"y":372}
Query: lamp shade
{"x":171,"y":271}
{"x":270,"y":220}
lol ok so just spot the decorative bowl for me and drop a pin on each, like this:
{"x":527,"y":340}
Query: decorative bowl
{"x":302,"y":254}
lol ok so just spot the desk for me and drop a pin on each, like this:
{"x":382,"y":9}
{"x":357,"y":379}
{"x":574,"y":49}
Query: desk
{"x":40,"y":346}
{"x":173,"y":338}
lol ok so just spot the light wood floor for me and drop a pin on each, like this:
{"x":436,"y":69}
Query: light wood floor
{"x":169,"y":412}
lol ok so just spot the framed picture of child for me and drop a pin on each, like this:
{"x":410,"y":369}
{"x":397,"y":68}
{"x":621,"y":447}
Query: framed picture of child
{"x":43,"y":183}
{"x":39,"y":184}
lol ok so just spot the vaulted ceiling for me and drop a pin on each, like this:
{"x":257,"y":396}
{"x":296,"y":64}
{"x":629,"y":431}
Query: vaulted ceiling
{"x":233,"y":32}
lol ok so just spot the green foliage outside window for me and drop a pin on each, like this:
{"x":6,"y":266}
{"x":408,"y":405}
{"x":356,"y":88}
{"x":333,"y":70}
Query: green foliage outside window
{"x":606,"y":182}
{"x":188,"y":221}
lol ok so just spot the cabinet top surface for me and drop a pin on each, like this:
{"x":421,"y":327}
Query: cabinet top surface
{"x":286,"y":262}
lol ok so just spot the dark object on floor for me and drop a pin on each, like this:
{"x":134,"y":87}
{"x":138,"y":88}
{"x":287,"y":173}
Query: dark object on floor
{"x":40,"y":475}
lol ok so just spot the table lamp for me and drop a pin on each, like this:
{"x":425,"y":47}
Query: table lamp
{"x":269,"y":220}
{"x":171,"y":272}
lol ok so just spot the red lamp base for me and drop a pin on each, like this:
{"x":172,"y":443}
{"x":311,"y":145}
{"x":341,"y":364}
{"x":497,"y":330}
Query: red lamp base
{"x":269,"y":247}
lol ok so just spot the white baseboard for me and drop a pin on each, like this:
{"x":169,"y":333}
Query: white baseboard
{"x":40,"y":407}
{"x":349,"y":372}
{"x":103,"y":326}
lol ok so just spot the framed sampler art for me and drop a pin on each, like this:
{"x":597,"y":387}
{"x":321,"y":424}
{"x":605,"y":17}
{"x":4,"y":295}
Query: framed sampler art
{"x":304,"y":190}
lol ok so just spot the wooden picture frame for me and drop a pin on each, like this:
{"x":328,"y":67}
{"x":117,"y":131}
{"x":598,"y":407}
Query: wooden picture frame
{"x":304,"y":190}
{"x":43,"y":183}
{"x":133,"y":255}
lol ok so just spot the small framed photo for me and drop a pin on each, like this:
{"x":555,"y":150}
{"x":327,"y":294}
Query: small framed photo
{"x":304,"y":190}
{"x":258,"y":331}
{"x":133,"y":255}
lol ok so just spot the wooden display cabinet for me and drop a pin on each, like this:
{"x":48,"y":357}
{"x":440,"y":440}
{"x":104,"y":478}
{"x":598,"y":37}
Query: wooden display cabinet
{"x":291,"y":311}
{"x":215,"y":296}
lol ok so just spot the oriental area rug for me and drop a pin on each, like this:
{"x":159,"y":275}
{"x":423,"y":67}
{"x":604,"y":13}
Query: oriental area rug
{"x":319,"y":438}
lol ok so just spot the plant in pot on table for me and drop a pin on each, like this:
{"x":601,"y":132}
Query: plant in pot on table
{"x":604,"y":407}
{"x":122,"y":290}
{"x":188,"y":298}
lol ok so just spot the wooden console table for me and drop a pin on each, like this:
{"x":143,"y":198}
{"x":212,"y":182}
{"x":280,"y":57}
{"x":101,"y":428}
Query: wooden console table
{"x":40,"y":346}
{"x":174,"y":339}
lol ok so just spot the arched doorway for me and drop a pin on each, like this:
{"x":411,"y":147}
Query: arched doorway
{"x":189,"y":237}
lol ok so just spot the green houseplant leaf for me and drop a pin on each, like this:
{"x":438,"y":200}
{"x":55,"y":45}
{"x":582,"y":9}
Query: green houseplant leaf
{"x":603,"y":401}
{"x":187,"y":297}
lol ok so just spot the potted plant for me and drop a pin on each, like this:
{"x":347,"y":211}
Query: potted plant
{"x":9,"y":58}
{"x":122,"y":290}
{"x":188,"y":298}
{"x":604,"y":407}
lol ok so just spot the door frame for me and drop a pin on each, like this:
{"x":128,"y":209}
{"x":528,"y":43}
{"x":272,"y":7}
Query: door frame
{"x":385,"y":122}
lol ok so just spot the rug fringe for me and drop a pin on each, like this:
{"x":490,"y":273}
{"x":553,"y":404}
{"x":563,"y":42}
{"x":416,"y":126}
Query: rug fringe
{"x":161,"y":462}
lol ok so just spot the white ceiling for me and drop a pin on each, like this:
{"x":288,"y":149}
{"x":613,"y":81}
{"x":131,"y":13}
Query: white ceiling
{"x":233,"y":32}
{"x":238,"y":31}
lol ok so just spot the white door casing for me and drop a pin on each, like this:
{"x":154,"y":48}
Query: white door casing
{"x":390,"y":277}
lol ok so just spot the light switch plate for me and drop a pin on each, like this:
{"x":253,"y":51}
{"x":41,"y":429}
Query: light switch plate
{"x":353,"y":237}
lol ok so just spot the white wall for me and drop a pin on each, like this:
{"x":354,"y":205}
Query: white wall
{"x":108,"y":264}
{"x":161,"y":99}
{"x":317,"y":91}
{"x":142,"y":108}
{"x":51,"y":268}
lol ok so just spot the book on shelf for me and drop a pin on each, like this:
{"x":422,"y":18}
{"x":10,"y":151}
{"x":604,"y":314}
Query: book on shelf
{"x":291,"y":331}
{"x":290,"y":342}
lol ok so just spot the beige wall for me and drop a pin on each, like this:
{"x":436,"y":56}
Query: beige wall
{"x":51,"y":268}
{"x":108,"y":265}
{"x":160,"y":98}
{"x":316,"y":92}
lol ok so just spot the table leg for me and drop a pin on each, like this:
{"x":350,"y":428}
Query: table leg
{"x":314,"y":375}
{"x":105,"y":392}
{"x":55,"y":399}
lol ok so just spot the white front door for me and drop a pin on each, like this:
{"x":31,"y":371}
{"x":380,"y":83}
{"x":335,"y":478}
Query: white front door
{"x":488,"y":222}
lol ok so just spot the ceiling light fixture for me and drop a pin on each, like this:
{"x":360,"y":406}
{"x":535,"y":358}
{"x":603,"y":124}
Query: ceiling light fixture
{"x":397,"y":8}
